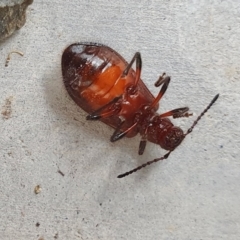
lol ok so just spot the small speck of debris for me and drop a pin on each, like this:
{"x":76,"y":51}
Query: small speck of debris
{"x":37,"y":224}
{"x":7,"y":108}
{"x":221,"y":146}
{"x":37,"y":189}
{"x":9,"y":56}
{"x":60,"y":172}
{"x":97,"y":225}
{"x":100,"y":204}
{"x":56,"y":236}
{"x":9,"y":154}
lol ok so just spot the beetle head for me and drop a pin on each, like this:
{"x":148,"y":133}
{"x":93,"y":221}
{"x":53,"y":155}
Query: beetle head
{"x":172,"y":138}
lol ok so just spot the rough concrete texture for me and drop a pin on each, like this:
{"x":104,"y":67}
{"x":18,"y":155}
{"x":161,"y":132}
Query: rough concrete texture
{"x":58,"y":171}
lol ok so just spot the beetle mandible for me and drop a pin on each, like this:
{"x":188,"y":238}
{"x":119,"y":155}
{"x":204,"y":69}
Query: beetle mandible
{"x":103,"y":84}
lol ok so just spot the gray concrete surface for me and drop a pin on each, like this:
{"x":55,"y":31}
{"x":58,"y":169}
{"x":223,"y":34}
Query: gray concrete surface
{"x":194,"y":194}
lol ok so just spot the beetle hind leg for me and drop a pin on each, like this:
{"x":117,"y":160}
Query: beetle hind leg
{"x":138,"y":59}
{"x":107,"y":110}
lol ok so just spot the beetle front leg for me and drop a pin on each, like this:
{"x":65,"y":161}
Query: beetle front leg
{"x":165,"y":80}
{"x":177,"y":113}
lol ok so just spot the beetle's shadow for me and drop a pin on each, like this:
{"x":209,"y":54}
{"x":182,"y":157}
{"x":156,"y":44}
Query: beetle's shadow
{"x":68,"y":112}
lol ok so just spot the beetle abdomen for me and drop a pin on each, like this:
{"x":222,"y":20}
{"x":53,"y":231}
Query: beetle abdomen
{"x":92,"y":72}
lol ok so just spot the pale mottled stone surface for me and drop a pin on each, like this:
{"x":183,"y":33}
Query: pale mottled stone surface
{"x":193,"y":195}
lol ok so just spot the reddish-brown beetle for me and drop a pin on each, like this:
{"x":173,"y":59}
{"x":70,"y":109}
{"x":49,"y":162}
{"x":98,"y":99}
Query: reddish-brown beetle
{"x":102,"y":83}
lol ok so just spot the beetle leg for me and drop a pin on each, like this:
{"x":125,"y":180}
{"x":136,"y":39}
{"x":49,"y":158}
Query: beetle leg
{"x":177,"y":113}
{"x":103,"y":114}
{"x":118,"y":135}
{"x":117,"y":130}
{"x":138,"y":59}
{"x":105,"y":111}
{"x":162,"y":80}
{"x":143,"y":142}
{"x":144,"y":165}
{"x":142,"y":146}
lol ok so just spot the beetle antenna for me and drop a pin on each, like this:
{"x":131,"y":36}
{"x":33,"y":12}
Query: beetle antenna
{"x":200,"y":116}
{"x":144,"y":165}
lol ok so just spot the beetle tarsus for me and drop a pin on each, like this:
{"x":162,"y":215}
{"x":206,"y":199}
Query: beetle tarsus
{"x":116,"y":132}
{"x":93,"y":117}
{"x":177,"y":113}
{"x":160,"y":79}
{"x":118,"y":136}
{"x":142,"y":146}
